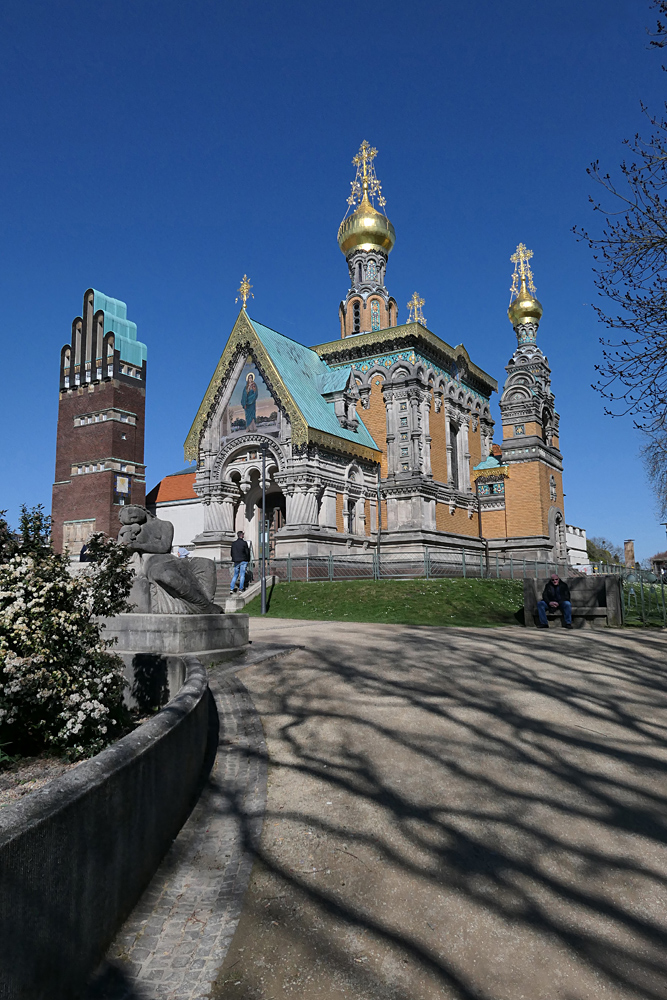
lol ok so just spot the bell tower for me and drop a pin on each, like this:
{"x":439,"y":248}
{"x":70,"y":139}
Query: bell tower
{"x":366,"y":237}
{"x":530,"y":449}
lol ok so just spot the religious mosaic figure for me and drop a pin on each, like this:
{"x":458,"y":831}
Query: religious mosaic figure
{"x":249,"y":401}
{"x":164,"y":584}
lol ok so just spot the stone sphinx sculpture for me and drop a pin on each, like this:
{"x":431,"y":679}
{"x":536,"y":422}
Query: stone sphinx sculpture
{"x":164,"y":584}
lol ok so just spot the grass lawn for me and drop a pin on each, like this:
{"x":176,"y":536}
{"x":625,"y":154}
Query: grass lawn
{"x":403,"y":602}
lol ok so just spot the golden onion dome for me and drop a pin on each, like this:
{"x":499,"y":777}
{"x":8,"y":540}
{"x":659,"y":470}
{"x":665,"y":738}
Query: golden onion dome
{"x":525,"y":308}
{"x":366,"y":229}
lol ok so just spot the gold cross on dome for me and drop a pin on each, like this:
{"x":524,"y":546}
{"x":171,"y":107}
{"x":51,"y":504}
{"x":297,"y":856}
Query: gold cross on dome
{"x":415,"y":306}
{"x":244,"y":290}
{"x":522,"y":270}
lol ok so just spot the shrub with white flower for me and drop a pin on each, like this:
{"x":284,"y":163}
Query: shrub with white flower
{"x":60,"y":686}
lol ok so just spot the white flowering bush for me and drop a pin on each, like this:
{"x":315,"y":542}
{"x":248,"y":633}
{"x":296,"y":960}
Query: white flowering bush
{"x":60,"y":686}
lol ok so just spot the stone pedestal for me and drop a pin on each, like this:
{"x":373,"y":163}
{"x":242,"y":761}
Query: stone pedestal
{"x":211,"y":638}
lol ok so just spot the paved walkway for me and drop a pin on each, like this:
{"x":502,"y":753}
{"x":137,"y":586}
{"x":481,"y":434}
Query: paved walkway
{"x":458,"y":813}
{"x":451,"y":813}
{"x":178,"y":934}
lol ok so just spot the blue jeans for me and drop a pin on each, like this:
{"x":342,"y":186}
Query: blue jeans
{"x":565,"y":607}
{"x":239,"y":573}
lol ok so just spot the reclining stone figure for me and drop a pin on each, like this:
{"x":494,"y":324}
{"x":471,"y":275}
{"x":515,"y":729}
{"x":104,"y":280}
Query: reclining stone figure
{"x":164,"y":584}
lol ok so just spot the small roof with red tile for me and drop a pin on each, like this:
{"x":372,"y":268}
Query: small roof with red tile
{"x":178,"y":486}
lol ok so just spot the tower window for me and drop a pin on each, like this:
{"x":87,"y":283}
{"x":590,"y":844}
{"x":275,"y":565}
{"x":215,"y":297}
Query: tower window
{"x":553,"y":496}
{"x":356,"y":316}
{"x":371,"y":270}
{"x":375,"y":315}
{"x":454,"y":442}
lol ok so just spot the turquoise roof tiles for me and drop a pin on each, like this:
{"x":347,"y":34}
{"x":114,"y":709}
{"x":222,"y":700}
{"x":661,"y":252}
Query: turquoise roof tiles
{"x":306,"y":377}
{"x":125,"y":332}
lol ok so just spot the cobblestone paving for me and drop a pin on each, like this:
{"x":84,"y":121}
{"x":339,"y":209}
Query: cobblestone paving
{"x":178,"y":934}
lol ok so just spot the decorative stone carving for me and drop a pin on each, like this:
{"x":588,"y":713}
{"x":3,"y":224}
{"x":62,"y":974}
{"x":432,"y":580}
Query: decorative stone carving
{"x":164,"y":584}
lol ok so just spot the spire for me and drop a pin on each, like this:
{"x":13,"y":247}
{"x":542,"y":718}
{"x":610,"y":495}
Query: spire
{"x":244,"y":291}
{"x":363,"y":226}
{"x":366,"y":237}
{"x":365,"y":185}
{"x":525,"y":312}
{"x":415,"y":306}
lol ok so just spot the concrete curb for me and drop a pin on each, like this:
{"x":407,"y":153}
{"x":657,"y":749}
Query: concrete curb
{"x":76,"y":855}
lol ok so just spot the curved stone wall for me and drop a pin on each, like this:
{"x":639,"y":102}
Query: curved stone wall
{"x":76,"y":855}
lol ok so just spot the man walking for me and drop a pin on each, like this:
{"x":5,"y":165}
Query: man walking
{"x":556,"y":595}
{"x":240,"y":558}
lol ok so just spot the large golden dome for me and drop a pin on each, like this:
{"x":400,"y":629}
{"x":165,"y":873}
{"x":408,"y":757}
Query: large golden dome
{"x":366,"y":229}
{"x":525,"y":308}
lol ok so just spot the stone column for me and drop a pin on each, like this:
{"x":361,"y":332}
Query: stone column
{"x":426,"y":436}
{"x":360,"y":517}
{"x":392,"y":430}
{"x":415,"y":435}
{"x":464,"y":464}
{"x":328,"y":509}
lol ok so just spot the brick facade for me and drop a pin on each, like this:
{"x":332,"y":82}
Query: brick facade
{"x":100,"y":435}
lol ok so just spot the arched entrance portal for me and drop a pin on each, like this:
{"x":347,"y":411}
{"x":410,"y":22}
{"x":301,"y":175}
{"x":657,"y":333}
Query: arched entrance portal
{"x":275,"y":519}
{"x":244,"y":469}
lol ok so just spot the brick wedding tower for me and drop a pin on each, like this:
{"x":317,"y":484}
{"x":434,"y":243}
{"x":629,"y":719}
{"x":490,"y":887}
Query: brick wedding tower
{"x":100,"y":440}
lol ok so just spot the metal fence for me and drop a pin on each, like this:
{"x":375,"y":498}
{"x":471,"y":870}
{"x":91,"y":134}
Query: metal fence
{"x":429,"y":566}
{"x":644,"y":602}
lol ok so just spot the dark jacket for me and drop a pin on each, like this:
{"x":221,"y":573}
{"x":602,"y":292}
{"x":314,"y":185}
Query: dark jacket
{"x":240,"y":551}
{"x":559,"y":593}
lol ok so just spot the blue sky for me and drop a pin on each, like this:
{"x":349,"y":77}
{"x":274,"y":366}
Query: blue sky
{"x":158,"y":150}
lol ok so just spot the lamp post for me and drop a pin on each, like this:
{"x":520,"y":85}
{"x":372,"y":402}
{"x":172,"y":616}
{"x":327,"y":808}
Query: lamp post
{"x":479,"y":522}
{"x":263,"y":530}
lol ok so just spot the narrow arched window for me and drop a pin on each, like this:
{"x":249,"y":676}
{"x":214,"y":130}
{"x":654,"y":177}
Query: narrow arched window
{"x":371,"y":270}
{"x":553,"y":496}
{"x":356,"y":316}
{"x":375,"y":315}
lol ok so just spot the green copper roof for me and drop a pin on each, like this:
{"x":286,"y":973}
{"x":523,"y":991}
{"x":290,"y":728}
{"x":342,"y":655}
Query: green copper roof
{"x":115,"y":321}
{"x":489,"y":463}
{"x":306,"y":376}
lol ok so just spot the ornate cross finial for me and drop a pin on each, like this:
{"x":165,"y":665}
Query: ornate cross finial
{"x":365,"y":184}
{"x":244,"y":290}
{"x":522,"y":271}
{"x":415,"y":306}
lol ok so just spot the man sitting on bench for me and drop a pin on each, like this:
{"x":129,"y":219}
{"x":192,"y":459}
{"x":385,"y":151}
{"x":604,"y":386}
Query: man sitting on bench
{"x":556,"y":595}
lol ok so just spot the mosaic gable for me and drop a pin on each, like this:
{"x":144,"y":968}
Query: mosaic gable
{"x":251,"y":406}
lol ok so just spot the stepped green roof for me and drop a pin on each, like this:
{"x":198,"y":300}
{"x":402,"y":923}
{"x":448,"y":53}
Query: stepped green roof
{"x":125,"y":332}
{"x":306,"y":376}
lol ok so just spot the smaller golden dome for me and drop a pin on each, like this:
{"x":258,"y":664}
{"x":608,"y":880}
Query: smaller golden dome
{"x":366,"y":229}
{"x":525,"y":308}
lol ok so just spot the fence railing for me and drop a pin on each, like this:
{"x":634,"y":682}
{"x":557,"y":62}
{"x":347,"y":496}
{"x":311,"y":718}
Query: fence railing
{"x":429,"y":566}
{"x":644,"y":603}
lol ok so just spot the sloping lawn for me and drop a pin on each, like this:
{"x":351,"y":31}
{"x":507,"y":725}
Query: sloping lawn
{"x":403,"y":602}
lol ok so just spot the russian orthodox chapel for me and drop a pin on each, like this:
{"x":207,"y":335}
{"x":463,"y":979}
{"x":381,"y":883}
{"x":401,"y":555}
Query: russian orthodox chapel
{"x":383,"y":435}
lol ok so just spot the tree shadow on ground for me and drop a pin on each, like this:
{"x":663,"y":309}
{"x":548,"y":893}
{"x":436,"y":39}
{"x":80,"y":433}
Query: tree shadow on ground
{"x":518,"y":799}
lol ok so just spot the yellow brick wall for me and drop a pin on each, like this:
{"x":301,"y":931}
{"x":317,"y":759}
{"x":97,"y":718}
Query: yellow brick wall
{"x":494,"y":524}
{"x":367,"y":513}
{"x":458,"y":522}
{"x":475,"y":446}
{"x":339,"y":512}
{"x":438,"y":431}
{"x":530,"y":427}
{"x":375,"y":420}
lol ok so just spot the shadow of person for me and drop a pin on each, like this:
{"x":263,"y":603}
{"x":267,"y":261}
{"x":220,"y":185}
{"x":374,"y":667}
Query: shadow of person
{"x":111,"y":982}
